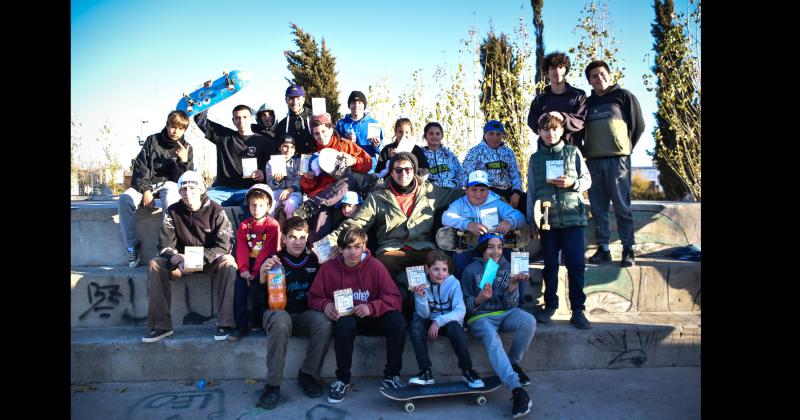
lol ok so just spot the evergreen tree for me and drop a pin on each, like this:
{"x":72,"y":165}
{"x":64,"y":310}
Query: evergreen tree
{"x":315,"y":70}
{"x":538,"y":28}
{"x":673,"y":187}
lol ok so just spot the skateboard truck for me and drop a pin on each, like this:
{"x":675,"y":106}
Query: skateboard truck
{"x":545,"y":215}
{"x":189,"y":103}
{"x":228,"y":81}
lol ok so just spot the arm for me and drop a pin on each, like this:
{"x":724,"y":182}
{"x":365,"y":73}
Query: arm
{"x":141,"y":180}
{"x":452,"y":217}
{"x":510,"y":299}
{"x":269,"y":247}
{"x":189,"y":165}
{"x":459,"y":309}
{"x":383,"y":159}
{"x":573,"y":121}
{"x":506,"y":212}
{"x":469,"y":289}
{"x":584,"y":181}
{"x":363,"y":218}
{"x":422,"y":162}
{"x":363,"y":160}
{"x":212,"y":130}
{"x":222,"y":239}
{"x":534,"y":114}
{"x":389,"y":297}
{"x":318,"y":296}
{"x":167,"y":240}
{"x":531,"y":191}
{"x":421,"y":305}
{"x":513,"y":173}
{"x":242,"y":250}
{"x":634,"y":119}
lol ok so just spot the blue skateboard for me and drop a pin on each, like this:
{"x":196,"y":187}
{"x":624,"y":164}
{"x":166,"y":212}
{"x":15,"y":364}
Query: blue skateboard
{"x":410,"y":393}
{"x":211,"y":94}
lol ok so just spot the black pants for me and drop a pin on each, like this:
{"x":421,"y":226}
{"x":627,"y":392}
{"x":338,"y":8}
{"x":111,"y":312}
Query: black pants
{"x":453,"y":330}
{"x":391,"y":325}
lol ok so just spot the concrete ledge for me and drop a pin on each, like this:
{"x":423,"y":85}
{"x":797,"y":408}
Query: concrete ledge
{"x":616,"y":341}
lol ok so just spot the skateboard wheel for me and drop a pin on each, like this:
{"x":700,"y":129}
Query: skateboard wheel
{"x":189,"y":109}
{"x":545,"y":226}
{"x":545,"y":204}
{"x":230,"y":88}
{"x":480,"y":399}
{"x":409,"y":407}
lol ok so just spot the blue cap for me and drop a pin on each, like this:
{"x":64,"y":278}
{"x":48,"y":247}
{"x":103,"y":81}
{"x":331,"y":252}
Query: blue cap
{"x":494,"y":125}
{"x":350,"y":197}
{"x":295,"y":90}
{"x":489,"y":235}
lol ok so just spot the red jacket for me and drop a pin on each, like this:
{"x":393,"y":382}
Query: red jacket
{"x":363,"y":164}
{"x":268,"y":234}
{"x":370,"y":281}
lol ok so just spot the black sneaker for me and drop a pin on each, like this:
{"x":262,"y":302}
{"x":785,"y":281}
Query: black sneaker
{"x":524,"y":380}
{"x":579,"y":320}
{"x":521,"y":403}
{"x":310,"y":386}
{"x":628,"y":259}
{"x":472,"y":378}
{"x":222,"y":333}
{"x":600,"y":256}
{"x":133,"y":256}
{"x":269,"y":397}
{"x":393,"y":382}
{"x":156,"y":335}
{"x":237,"y":334}
{"x":544,"y":314}
{"x":337,"y":392}
{"x":423,"y":377}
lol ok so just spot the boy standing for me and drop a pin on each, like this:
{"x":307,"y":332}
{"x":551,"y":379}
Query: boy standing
{"x":567,"y":215}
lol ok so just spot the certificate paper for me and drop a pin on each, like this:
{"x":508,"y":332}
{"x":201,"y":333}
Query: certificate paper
{"x":343,"y":300}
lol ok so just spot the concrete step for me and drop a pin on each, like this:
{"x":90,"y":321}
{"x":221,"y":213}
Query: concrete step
{"x":117,"y":296}
{"x":616,"y":341}
{"x":96,"y":239}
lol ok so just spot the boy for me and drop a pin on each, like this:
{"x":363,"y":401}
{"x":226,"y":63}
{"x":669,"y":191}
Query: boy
{"x":286,"y":187}
{"x":165,"y":156}
{"x":440,"y":310}
{"x":561,"y":100}
{"x":493,"y":308}
{"x":567,"y":216}
{"x":355,"y":126}
{"x":480,"y":211}
{"x":256,"y":239}
{"x":376,"y":308}
{"x":299,"y":266}
{"x":499,"y":161}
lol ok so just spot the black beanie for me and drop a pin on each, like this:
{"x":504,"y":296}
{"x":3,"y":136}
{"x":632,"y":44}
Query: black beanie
{"x":404,"y":156}
{"x":357,"y":95}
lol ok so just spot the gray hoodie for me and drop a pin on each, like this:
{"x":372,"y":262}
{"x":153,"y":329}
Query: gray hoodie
{"x":501,"y":299}
{"x":442,"y":303}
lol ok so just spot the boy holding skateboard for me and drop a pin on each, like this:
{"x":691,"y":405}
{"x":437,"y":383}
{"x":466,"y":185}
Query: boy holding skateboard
{"x":557,"y":173}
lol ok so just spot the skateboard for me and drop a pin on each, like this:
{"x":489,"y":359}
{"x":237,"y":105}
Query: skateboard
{"x":207,"y":96}
{"x":451,"y":239}
{"x":410,"y":393}
{"x":332,"y":162}
{"x":541,"y":218}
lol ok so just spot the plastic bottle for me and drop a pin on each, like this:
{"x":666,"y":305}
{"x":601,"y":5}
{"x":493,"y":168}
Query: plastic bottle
{"x":276,"y":288}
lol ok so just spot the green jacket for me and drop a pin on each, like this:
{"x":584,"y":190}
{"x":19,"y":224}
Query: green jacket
{"x":394,"y":229}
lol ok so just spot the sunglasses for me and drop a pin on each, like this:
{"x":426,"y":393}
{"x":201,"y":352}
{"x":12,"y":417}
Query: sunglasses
{"x":399,"y":171}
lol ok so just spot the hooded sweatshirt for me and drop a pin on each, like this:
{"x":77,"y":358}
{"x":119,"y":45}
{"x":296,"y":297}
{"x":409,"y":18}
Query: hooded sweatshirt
{"x":500,"y":164}
{"x":369,"y":280}
{"x":207,"y":226}
{"x":158,"y":161}
{"x":501,"y":299}
{"x":461,"y":212}
{"x":442,"y":303}
{"x":614,"y":123}
{"x":299,"y":127}
{"x":444,"y":167}
{"x":361,"y":128}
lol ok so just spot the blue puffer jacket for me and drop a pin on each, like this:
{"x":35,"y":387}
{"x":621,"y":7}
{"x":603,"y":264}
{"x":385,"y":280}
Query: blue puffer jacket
{"x":361,"y":128}
{"x":461,"y":212}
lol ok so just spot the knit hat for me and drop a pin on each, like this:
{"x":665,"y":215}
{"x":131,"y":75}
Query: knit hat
{"x":494,"y":125}
{"x":295,"y":90}
{"x":357,"y":95}
{"x":323,"y":118}
{"x":192,"y":178}
{"x":489,"y":235}
{"x":404,"y":156}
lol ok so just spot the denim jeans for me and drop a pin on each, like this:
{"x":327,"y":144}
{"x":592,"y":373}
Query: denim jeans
{"x":227,"y":196}
{"x":522,"y":324}
{"x":570,"y":241}
{"x":453,"y":330}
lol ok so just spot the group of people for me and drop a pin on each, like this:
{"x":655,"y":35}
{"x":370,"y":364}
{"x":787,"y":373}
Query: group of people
{"x":379,"y":206}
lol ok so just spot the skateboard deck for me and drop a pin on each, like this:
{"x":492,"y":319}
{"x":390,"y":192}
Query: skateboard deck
{"x":207,"y":96}
{"x":541,"y":219}
{"x":413,"y":392}
{"x":451,"y":239}
{"x":332,"y":162}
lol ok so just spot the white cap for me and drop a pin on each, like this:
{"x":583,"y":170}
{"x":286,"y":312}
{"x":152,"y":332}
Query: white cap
{"x":478,"y":177}
{"x":351,"y":197}
{"x":192,"y":178}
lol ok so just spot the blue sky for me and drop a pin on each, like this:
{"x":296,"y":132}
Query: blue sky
{"x":131,"y":61}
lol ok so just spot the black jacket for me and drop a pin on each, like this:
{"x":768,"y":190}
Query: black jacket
{"x":231,"y":149}
{"x":299,"y":129}
{"x":208,"y":227}
{"x":159,"y":162}
{"x":572,"y":106}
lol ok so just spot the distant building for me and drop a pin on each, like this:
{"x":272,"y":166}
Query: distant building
{"x":649,"y":173}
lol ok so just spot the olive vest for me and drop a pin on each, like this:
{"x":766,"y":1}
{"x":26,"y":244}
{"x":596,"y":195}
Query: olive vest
{"x":566,"y":206}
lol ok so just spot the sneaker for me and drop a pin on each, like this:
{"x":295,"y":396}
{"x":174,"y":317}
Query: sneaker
{"x":310,"y":386}
{"x":521,"y":403}
{"x":133,"y":256}
{"x":544,"y":314}
{"x":156,"y":335}
{"x":222,"y":333}
{"x":472,"y":378}
{"x":524,"y":380}
{"x":393,"y":382}
{"x":337,"y":392}
{"x":237,"y":334}
{"x":579,"y":320}
{"x":269,"y":397}
{"x":304,"y":211}
{"x":423,"y":377}
{"x":627,"y":258}
{"x":256,"y":329}
{"x":600,"y":256}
